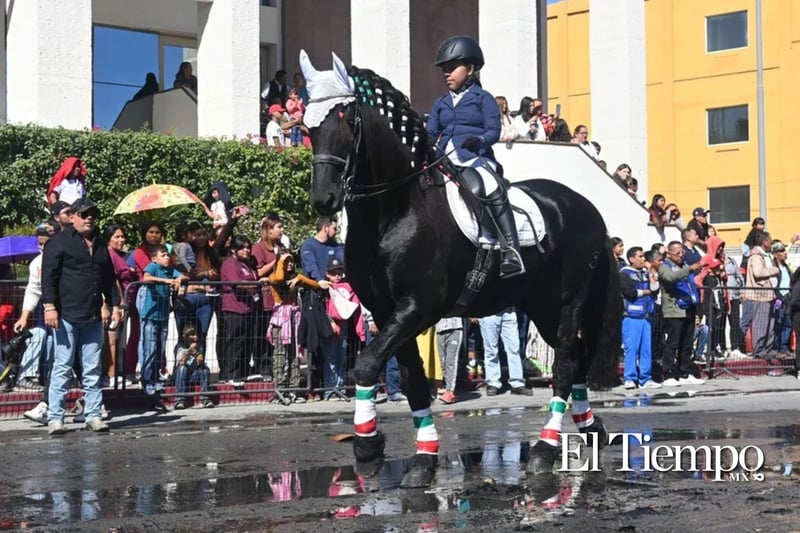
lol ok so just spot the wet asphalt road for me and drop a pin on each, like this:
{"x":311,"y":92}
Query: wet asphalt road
{"x":273,"y":468}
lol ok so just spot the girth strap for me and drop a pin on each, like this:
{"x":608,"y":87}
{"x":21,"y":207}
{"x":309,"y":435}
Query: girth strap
{"x":475,"y":279}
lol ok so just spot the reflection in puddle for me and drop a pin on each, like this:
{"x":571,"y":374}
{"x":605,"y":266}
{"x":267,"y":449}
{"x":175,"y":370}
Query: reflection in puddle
{"x":489,"y":477}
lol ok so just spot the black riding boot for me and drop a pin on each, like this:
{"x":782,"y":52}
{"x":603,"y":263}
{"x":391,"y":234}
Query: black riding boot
{"x":500,"y":211}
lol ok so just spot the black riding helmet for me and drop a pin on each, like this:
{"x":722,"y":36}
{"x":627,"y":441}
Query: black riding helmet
{"x":460,"y":48}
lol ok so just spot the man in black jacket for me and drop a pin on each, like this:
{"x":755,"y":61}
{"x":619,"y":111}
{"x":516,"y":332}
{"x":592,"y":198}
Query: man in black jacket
{"x":78,"y":292}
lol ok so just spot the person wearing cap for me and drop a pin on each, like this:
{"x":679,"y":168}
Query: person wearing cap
{"x":80,"y":298}
{"x":274,"y":132}
{"x":783,"y":319}
{"x":465,"y":123}
{"x":699,"y":224}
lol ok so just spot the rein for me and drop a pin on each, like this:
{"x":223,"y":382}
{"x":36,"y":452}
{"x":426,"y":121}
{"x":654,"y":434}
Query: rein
{"x":354,"y":191}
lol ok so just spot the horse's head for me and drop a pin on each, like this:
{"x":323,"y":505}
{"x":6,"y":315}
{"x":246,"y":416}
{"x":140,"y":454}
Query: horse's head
{"x":334,"y":123}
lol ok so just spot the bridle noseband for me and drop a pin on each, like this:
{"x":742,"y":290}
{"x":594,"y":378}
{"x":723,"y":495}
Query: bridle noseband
{"x":354,"y":191}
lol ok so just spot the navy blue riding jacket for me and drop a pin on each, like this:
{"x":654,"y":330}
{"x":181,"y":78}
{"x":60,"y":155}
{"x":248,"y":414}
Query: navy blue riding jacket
{"x":476,"y":115}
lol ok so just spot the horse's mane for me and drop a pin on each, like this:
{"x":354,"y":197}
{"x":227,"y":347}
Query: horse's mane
{"x":378,"y":93}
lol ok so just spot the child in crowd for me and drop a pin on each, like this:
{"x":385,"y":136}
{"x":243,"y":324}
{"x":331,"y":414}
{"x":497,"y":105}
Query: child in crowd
{"x":342,"y":306}
{"x":190,"y":368}
{"x":218,"y":212}
{"x":153,"y":304}
{"x":449,"y":334}
{"x":284,"y":283}
{"x":296,"y":108}
{"x":184,"y":253}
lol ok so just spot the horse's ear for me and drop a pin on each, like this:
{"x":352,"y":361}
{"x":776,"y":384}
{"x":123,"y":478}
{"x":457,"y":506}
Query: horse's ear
{"x":305,"y":65}
{"x":341,"y":73}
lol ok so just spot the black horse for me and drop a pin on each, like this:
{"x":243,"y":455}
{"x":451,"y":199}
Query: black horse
{"x":407,"y":261}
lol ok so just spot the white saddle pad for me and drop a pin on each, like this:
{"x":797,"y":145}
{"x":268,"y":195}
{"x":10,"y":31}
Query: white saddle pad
{"x":528,"y":234}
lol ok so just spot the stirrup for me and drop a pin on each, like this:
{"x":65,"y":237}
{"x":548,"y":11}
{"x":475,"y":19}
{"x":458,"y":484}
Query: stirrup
{"x":517,"y":267}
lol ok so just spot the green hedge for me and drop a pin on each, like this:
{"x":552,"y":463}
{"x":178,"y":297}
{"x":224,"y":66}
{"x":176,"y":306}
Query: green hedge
{"x":118,"y":163}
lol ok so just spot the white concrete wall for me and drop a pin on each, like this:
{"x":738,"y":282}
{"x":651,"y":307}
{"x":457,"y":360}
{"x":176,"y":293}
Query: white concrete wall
{"x":380,"y":40}
{"x":228,"y":52}
{"x":618,"y":77}
{"x":173,"y":17}
{"x":49,"y":63}
{"x":507,"y":34}
{"x":568,"y":164}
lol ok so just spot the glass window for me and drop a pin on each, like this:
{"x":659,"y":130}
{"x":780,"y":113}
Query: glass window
{"x":121,"y":60}
{"x":174,"y":55}
{"x":728,"y":124}
{"x":729,"y":204}
{"x":727,"y":31}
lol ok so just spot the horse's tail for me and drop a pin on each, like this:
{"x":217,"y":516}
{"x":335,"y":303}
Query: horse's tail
{"x":605,"y":313}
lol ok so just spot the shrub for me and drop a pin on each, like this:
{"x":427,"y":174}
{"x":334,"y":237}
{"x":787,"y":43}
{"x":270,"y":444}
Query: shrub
{"x":118,"y":163}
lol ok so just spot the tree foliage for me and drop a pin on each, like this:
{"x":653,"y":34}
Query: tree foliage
{"x":118,"y":163}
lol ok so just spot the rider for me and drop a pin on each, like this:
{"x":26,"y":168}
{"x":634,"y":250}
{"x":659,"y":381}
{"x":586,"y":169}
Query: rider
{"x":465,"y":123}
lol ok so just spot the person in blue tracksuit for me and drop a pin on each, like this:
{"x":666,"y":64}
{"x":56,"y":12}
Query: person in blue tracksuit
{"x":638,"y":296}
{"x":465,"y":123}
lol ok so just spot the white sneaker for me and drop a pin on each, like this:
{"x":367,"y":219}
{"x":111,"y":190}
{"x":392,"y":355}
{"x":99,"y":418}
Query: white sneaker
{"x":630,"y":385}
{"x":651,"y":385}
{"x":671,"y":382}
{"x":691,"y":380}
{"x":38,"y":414}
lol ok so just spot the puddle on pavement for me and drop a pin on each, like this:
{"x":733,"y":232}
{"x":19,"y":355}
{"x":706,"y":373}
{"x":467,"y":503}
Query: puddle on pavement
{"x":489,"y":477}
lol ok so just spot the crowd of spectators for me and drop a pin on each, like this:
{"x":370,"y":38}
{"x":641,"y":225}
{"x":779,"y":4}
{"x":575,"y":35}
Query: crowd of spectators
{"x":282,"y":110}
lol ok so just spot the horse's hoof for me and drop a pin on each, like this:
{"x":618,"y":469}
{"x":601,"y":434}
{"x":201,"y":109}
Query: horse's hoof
{"x":369,"y":454}
{"x":596,"y":430}
{"x":421,"y":471}
{"x":542,"y":458}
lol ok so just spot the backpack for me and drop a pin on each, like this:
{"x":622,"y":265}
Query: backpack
{"x":686,"y":292}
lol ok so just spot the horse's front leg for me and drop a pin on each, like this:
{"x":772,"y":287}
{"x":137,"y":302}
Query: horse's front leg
{"x":396,"y":332}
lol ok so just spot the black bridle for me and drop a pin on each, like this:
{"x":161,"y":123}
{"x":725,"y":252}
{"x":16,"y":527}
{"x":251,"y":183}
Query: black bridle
{"x":354,"y":191}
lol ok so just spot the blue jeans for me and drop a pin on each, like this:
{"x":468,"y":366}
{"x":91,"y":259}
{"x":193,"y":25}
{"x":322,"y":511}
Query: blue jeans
{"x":198,"y":312}
{"x":41,"y":344}
{"x":493,"y":328}
{"x":296,"y":137}
{"x":152,"y":341}
{"x":701,"y":336}
{"x":783,"y":329}
{"x":335,"y":349}
{"x":637,"y":340}
{"x":192,"y":374}
{"x":87,"y":340}
{"x":392,"y":367}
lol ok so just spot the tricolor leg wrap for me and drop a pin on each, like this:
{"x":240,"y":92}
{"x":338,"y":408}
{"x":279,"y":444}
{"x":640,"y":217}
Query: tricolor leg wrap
{"x":365,"y":418}
{"x":427,"y":438}
{"x":581,"y":410}
{"x":551,"y":432}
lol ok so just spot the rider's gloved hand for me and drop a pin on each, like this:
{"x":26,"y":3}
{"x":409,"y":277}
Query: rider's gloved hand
{"x":473,"y":144}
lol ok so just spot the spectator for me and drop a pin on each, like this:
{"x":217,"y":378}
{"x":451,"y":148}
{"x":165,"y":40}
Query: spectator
{"x":759,"y":297}
{"x":78,"y":295}
{"x":735,"y":283}
{"x":658,"y":216}
{"x":185,"y":78}
{"x":296,"y":109}
{"x":125,"y":274}
{"x":679,"y":300}
{"x":622,"y":174}
{"x":317,"y":251}
{"x":639,"y":287}
{"x":68,"y":184}
{"x":597,"y":147}
{"x":153,"y":303}
{"x":276,"y":89}
{"x":618,"y":247}
{"x":712,"y":231}
{"x":185,"y":260}
{"x":714,"y":297}
{"x":502,"y":324}
{"x":633,"y":188}
{"x":757,"y":225}
{"x":508,"y":132}
{"x":300,"y":86}
{"x":690,"y":253}
{"x":190,"y":369}
{"x":238,"y":302}
{"x":529,"y":122}
{"x":197,"y":305}
{"x":701,"y":334}
{"x":218,"y":209}
{"x":343,"y":306}
{"x":653,"y":259}
{"x":284,"y":284}
{"x":60,"y":219}
{"x":783,"y":319}
{"x":561,"y":132}
{"x":674,"y":216}
{"x":603,"y":165}
{"x":449,"y":334}
{"x":581,"y":138}
{"x":274,"y":132}
{"x":149,"y":88}
{"x":699,"y":224}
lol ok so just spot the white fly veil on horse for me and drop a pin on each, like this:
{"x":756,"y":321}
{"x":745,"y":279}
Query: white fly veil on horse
{"x":326,"y":89}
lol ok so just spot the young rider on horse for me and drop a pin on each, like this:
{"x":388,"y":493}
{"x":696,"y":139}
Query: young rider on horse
{"x":465,"y":123}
